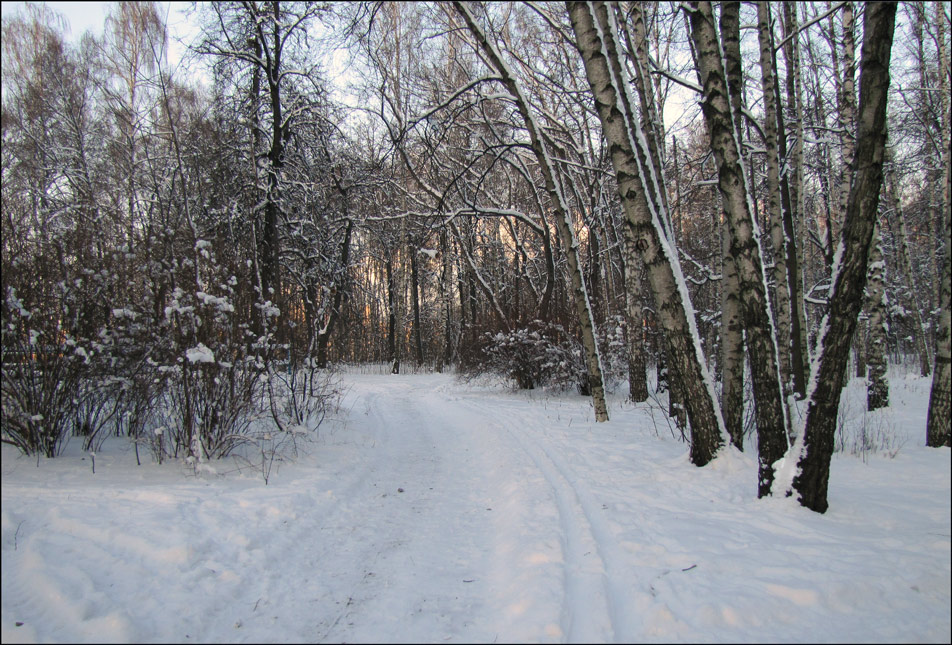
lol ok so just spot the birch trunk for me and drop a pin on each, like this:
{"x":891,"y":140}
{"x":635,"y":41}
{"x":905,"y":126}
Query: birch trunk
{"x":877,"y":386}
{"x":654,"y":130}
{"x":637,"y":383}
{"x":814,"y":447}
{"x":415,"y":294}
{"x":732,"y":327}
{"x":744,"y":247}
{"x":596,"y":39}
{"x":446,"y":298}
{"x":860,"y":339}
{"x":940,"y":398}
{"x":732,"y":345}
{"x":777,"y":238}
{"x":562,"y":216}
{"x":846,"y":103}
{"x":792,"y":210}
{"x":937,"y":426}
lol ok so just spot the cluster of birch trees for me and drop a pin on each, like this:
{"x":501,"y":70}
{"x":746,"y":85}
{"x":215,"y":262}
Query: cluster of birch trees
{"x":748,"y":197}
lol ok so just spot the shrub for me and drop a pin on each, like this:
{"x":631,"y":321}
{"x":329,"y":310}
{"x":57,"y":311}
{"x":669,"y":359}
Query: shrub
{"x":536,"y":355}
{"x":42,"y":374}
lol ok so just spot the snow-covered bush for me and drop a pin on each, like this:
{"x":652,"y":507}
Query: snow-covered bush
{"x":214,"y":368}
{"x":40,"y":379}
{"x":536,"y":355}
{"x":544,"y":354}
{"x":300,"y":394}
{"x":53,"y":384}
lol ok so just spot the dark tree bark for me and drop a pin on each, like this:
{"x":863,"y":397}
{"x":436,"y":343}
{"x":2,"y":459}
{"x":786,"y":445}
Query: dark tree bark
{"x":415,"y":287}
{"x":937,"y":426}
{"x":744,"y":247}
{"x":790,"y":203}
{"x":392,"y":316}
{"x":340,"y":288}
{"x":816,"y":443}
{"x":781,"y":292}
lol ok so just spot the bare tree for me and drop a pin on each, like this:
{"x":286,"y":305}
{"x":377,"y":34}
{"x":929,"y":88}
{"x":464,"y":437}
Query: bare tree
{"x":596,"y":37}
{"x":814,"y":447}
{"x":553,"y":182}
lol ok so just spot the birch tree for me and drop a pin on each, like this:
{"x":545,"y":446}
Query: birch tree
{"x":814,"y":446}
{"x":745,"y":246}
{"x":877,"y":385}
{"x":732,"y":323}
{"x":778,"y":239}
{"x":940,"y":398}
{"x":937,"y":426}
{"x":596,"y":37}
{"x":790,"y":194}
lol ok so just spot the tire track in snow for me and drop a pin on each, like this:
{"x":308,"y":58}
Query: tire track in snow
{"x":590,"y":611}
{"x":411,"y":524}
{"x":629,"y":592}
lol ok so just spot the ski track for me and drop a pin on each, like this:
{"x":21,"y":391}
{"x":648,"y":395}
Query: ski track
{"x":493,"y":537}
{"x":587,"y":615}
{"x":602,"y":603}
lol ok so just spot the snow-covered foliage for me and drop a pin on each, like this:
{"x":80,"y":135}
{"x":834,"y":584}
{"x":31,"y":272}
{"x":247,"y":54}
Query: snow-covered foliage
{"x":532,"y":356}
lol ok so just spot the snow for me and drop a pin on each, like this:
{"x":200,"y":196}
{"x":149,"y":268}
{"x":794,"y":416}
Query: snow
{"x":427,"y":510}
{"x":221,"y":303}
{"x":200,"y":354}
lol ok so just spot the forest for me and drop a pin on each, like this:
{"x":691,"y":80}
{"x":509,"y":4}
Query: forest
{"x":750,"y":199}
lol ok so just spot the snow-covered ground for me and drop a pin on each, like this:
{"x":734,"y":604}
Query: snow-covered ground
{"x":434,"y":511}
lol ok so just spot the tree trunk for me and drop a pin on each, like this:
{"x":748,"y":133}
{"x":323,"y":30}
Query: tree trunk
{"x":732,"y":345}
{"x":596,"y":39}
{"x":677,"y":408}
{"x":846,"y":102}
{"x":446,"y":355}
{"x":415,"y":288}
{"x":877,"y":386}
{"x":634,"y":317}
{"x":399,"y":301}
{"x":814,"y":447}
{"x":744,"y":247}
{"x":732,"y":324}
{"x":790,"y":202}
{"x":562,"y":217}
{"x":392,"y":313}
{"x":339,"y":289}
{"x":778,"y":240}
{"x":937,"y":426}
{"x":859,"y":344}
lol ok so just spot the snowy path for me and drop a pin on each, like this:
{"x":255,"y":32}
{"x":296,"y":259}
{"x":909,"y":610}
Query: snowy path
{"x":432,"y":511}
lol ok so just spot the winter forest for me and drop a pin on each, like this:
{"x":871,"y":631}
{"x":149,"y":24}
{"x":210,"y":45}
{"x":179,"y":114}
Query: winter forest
{"x":727,"y":210}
